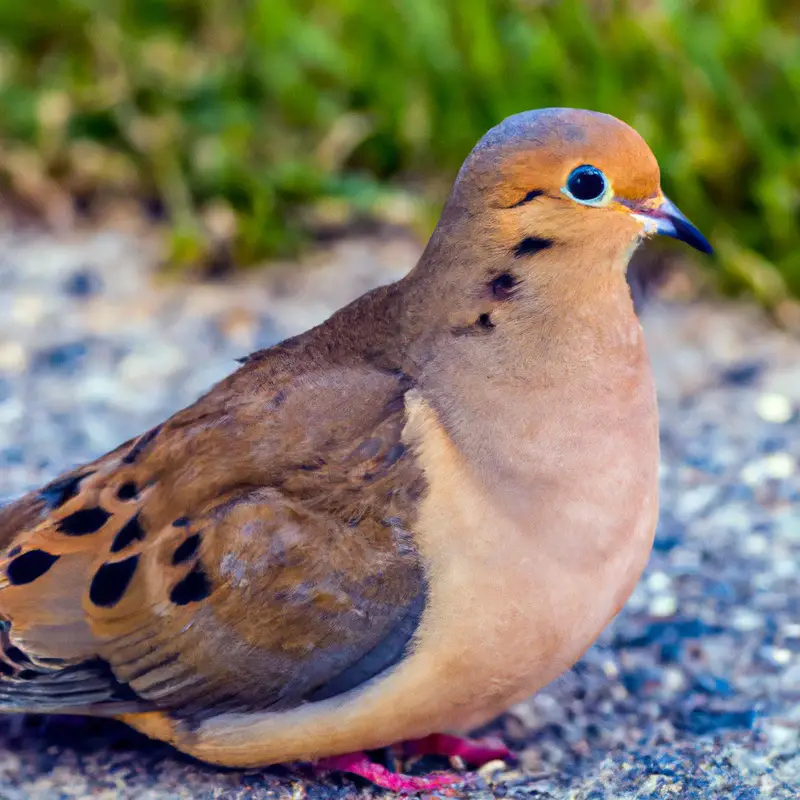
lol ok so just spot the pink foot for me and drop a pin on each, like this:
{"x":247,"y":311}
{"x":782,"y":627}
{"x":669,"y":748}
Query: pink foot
{"x":475,"y":752}
{"x":359,"y":764}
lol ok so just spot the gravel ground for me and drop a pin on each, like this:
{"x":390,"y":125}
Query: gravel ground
{"x":694,"y":691}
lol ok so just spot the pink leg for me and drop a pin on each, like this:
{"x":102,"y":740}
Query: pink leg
{"x":359,"y":764}
{"x":475,"y":752}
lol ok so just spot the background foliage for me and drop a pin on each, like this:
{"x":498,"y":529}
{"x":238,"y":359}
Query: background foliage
{"x":251,"y":121}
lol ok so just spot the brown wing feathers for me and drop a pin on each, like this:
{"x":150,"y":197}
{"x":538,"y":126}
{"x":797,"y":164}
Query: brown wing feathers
{"x":200,"y":568}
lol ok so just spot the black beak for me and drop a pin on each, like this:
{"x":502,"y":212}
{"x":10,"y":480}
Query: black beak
{"x":668,"y":220}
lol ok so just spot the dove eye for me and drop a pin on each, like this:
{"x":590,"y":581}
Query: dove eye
{"x":587,"y":185}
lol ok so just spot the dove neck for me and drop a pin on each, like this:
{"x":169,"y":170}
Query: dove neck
{"x":570,"y":305}
{"x":557,"y":391}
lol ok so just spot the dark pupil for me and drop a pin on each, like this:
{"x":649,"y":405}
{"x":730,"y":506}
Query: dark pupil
{"x":587,"y":184}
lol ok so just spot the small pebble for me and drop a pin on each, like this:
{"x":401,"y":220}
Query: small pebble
{"x":790,"y":678}
{"x":664,"y":605}
{"x":755,"y":545}
{"x":64,"y":358}
{"x":610,"y":669}
{"x":787,"y":523}
{"x":83,"y":283}
{"x":780,"y":655}
{"x":743,"y":373}
{"x":28,"y":310}
{"x":143,"y":368}
{"x":773,"y":407}
{"x":13,"y":357}
{"x":491,"y":767}
{"x":693,"y":501}
{"x":744,"y":619}
{"x":673,"y":679}
{"x":777,"y":466}
{"x":782,"y":737}
{"x":658,"y":581}
{"x":11,"y":411}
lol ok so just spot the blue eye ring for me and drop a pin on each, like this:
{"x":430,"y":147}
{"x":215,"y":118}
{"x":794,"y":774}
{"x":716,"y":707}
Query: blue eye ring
{"x":588,"y":185}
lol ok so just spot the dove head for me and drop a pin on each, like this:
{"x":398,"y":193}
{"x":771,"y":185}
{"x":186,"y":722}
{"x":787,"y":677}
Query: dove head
{"x":534,"y":241}
{"x":567,"y":172}
{"x":553,"y":195}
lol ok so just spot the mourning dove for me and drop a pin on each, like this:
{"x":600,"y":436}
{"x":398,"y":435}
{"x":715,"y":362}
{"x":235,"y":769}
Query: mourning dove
{"x":392,"y":526}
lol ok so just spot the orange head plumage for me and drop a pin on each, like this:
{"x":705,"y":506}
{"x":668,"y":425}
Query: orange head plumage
{"x":565,"y":169}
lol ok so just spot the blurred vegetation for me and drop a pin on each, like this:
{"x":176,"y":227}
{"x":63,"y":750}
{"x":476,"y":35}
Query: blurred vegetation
{"x":253,"y":121}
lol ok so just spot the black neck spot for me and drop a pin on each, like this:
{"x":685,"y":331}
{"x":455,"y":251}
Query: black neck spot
{"x":29,"y":566}
{"x":181,"y":522}
{"x":482,"y":325}
{"x":110,"y":582}
{"x":532,"y":195}
{"x":530,"y":245}
{"x":503,"y":286}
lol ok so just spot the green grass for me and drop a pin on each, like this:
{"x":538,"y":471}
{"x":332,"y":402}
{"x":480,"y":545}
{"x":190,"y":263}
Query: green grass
{"x":254,"y":120}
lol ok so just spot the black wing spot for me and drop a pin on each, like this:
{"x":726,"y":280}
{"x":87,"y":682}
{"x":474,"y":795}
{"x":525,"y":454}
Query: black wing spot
{"x":394,"y":454}
{"x":369,"y":448}
{"x":396,"y":404}
{"x":14,"y":551}
{"x":30,"y":566}
{"x":141,"y":444}
{"x":186,"y":549}
{"x":485,"y":321}
{"x":530,"y":245}
{"x":6,"y":669}
{"x":58,"y":492}
{"x":110,"y":582}
{"x":127,"y":491}
{"x":16,"y":655}
{"x":87,"y":520}
{"x":193,"y":588}
{"x":129,"y":533}
{"x":181,"y":522}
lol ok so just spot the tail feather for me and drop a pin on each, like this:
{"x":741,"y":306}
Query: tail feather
{"x":89,"y":687}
